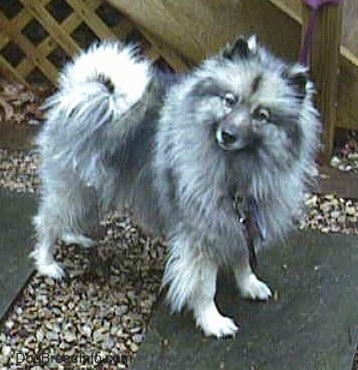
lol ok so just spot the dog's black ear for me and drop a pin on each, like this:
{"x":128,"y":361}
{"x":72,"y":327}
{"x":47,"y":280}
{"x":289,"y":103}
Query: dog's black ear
{"x":297,"y":76}
{"x":241,"y":48}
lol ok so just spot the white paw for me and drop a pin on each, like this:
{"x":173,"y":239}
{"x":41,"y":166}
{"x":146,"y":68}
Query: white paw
{"x":52,"y":270}
{"x":47,"y":266}
{"x":214,"y":324}
{"x":253,"y":288}
{"x":79,"y":239}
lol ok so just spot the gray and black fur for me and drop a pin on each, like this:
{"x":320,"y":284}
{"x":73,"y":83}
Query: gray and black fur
{"x":177,"y":150}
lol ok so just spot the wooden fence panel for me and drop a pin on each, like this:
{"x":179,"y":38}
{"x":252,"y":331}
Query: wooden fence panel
{"x":324,"y":62}
{"x":60,"y":35}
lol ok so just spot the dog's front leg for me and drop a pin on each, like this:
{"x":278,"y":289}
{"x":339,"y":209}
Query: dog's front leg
{"x":248,"y":283}
{"x":191,"y":276}
{"x":206,"y":314}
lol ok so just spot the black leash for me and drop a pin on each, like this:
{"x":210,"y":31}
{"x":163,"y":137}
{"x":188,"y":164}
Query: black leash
{"x":248,"y":216}
{"x":247,"y":223}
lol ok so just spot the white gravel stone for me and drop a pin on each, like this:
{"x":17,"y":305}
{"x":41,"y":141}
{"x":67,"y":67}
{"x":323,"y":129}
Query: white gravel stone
{"x":86,"y":330}
{"x":5,"y":355}
{"x":69,"y":337}
{"x":40,"y":335}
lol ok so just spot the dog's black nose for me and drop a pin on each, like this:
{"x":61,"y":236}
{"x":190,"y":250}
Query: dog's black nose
{"x":228,"y":137}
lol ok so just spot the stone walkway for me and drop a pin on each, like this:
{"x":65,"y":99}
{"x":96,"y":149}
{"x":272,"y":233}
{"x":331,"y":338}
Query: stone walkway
{"x":15,"y":244}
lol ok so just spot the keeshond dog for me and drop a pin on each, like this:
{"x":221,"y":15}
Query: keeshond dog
{"x":178,"y":150}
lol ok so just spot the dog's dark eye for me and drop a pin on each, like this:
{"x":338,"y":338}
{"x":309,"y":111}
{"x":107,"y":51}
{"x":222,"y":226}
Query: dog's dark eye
{"x":261,"y":114}
{"x":230,"y":100}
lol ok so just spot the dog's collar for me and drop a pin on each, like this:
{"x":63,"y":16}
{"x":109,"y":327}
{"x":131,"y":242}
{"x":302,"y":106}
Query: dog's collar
{"x":248,"y":216}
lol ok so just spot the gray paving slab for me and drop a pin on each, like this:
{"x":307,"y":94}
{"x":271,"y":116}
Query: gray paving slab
{"x":312,"y":324}
{"x":13,"y":136}
{"x":343,"y":184}
{"x":16,"y":211}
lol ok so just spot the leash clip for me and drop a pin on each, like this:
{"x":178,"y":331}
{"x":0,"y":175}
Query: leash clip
{"x":246,"y":220}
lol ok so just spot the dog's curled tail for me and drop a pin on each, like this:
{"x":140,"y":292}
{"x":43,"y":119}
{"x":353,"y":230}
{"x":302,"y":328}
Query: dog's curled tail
{"x":84,"y":116}
{"x":99,"y":85}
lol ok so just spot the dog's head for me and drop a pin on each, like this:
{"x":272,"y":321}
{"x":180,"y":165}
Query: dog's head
{"x":253,"y":103}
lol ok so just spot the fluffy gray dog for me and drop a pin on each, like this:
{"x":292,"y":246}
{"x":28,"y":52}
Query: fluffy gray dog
{"x":178,"y":150}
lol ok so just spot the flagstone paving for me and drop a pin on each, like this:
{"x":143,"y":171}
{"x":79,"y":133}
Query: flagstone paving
{"x":16,"y":211}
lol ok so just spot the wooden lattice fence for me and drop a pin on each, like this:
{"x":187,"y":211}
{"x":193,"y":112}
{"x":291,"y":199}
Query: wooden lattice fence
{"x":37,"y":36}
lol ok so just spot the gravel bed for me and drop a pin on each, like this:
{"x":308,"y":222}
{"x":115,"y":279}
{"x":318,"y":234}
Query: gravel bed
{"x":348,"y":163}
{"x":330,"y":214}
{"x":103,"y":305}
{"x":18,"y":170}
{"x":345,"y":156}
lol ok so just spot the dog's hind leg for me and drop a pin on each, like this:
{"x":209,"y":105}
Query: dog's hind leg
{"x":65,"y":213}
{"x":248,"y":283}
{"x":84,"y":215}
{"x":47,"y":229}
{"x":191,"y":276}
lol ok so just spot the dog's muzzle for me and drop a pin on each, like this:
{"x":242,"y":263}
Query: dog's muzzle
{"x":234,"y":137}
